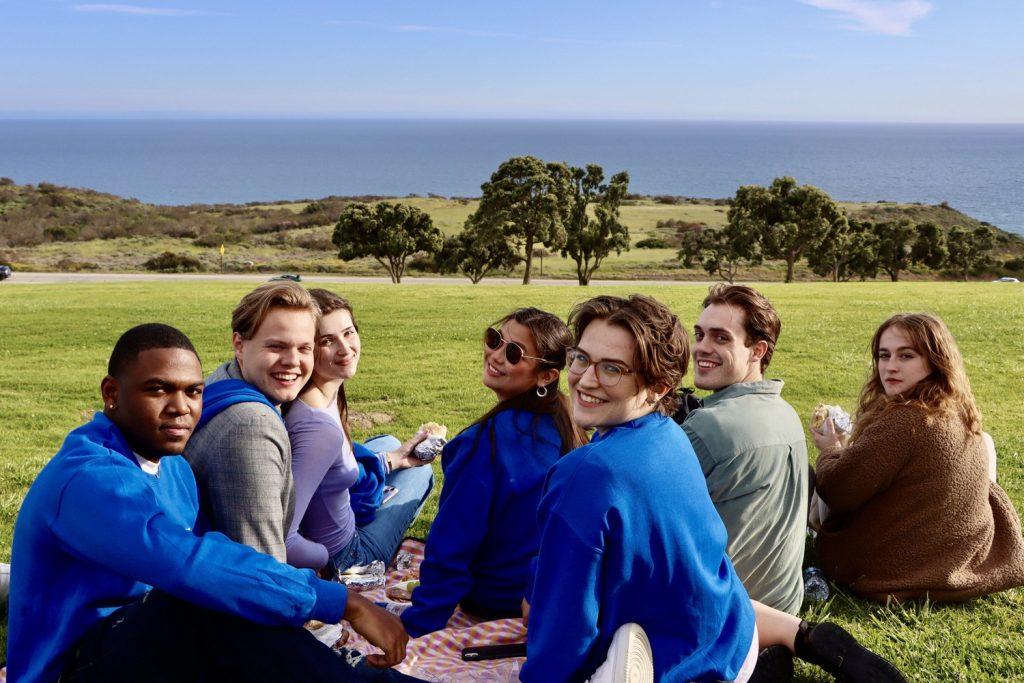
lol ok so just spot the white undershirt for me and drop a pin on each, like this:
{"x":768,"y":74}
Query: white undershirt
{"x":148,"y":466}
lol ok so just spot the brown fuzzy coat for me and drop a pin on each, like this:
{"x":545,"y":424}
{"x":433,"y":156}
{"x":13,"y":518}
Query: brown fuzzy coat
{"x":914,"y":514}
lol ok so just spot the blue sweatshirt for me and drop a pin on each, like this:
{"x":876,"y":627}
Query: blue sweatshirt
{"x":484,"y":535}
{"x":96,"y":532}
{"x":629,"y":534}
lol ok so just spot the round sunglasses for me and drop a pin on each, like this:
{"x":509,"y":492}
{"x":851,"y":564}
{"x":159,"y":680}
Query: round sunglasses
{"x":513,"y":351}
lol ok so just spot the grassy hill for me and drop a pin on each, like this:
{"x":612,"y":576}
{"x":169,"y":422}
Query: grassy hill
{"x":46,"y":227}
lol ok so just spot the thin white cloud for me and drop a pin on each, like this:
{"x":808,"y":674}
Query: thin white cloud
{"x":420,"y":28}
{"x":137,"y":9}
{"x":892,"y":18}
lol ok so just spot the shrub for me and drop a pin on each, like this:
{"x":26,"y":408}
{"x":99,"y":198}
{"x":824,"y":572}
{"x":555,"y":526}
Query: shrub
{"x":70,"y":265}
{"x":215,"y":239}
{"x":666,"y":199}
{"x":314,"y":242}
{"x":61,"y":233}
{"x":182,"y":231}
{"x":169,"y":262}
{"x":652,"y":243}
{"x":1014,"y":265}
{"x":6,"y":181}
{"x":423,"y":263}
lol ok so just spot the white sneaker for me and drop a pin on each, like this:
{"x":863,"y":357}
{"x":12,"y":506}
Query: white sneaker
{"x":629,"y":658}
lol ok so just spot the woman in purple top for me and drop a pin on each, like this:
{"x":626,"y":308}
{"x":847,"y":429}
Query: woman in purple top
{"x":324,"y":532}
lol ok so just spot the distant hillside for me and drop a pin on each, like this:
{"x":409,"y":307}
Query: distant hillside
{"x":48,"y":227}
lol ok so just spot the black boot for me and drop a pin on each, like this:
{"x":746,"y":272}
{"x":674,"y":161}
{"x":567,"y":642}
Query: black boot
{"x":774,"y":665}
{"x":833,"y":649}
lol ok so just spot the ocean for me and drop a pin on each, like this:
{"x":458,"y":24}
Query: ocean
{"x":978,"y":169}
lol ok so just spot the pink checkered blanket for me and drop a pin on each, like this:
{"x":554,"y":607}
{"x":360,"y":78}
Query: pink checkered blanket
{"x":437,"y":656}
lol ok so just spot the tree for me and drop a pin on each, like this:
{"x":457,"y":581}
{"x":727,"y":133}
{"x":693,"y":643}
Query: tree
{"x":929,"y":247}
{"x":792,"y":219}
{"x":969,"y":249}
{"x":894,"y":246}
{"x":388,"y":232}
{"x":475,"y":253}
{"x":721,"y":252}
{"x":863,"y":251}
{"x":590,"y":239}
{"x":832,"y":257}
{"x":524,"y":201}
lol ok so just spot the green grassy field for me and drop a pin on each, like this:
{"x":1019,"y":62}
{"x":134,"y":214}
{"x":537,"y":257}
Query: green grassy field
{"x":422,"y":362}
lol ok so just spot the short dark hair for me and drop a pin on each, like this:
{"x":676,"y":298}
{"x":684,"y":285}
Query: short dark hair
{"x":662,"y":345}
{"x":143,"y":338}
{"x":760,"y":319}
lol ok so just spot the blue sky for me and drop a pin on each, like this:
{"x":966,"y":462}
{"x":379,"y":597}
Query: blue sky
{"x":802,"y":60}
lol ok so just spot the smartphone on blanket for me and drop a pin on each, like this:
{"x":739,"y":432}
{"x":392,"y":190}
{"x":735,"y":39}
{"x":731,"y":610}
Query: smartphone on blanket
{"x":389,"y":493}
{"x":478,"y":653}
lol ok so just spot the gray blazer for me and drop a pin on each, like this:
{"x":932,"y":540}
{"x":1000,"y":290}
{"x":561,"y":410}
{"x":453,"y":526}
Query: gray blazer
{"x":242,"y":460}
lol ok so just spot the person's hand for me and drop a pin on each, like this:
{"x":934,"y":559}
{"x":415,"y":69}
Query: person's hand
{"x":402,"y":457}
{"x":526,"y":614}
{"x":828,"y":438}
{"x":380,"y":628}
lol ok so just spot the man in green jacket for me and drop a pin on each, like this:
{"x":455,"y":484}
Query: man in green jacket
{"x":750,"y":444}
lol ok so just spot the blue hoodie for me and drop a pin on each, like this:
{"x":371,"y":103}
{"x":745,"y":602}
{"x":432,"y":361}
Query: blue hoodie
{"x":485,"y":535}
{"x":96,"y":532}
{"x":629,"y":534}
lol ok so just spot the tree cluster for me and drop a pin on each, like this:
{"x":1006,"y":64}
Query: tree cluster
{"x":526,"y":206}
{"x":791,"y":222}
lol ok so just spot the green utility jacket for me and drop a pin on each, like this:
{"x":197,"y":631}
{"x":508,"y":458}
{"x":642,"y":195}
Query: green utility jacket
{"x":751,"y":447}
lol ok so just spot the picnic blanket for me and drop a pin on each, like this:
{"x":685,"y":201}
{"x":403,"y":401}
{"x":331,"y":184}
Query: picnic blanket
{"x":437,"y":656}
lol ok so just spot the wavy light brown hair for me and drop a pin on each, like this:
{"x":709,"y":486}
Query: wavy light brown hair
{"x":329,"y":302}
{"x":662,"y":345}
{"x":946,"y":390}
{"x":552,"y":339}
{"x":252,"y":310}
{"x":760,"y":319}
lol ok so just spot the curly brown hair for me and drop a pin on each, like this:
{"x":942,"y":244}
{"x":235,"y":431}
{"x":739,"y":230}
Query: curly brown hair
{"x":662,"y":345}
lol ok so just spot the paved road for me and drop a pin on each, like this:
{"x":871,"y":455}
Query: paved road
{"x":54,"y":278}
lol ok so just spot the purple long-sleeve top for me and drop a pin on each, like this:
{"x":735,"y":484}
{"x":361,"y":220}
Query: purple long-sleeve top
{"x":323,"y":469}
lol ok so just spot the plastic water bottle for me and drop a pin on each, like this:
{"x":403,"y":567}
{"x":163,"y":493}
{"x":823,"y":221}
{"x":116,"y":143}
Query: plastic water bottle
{"x":815,"y":585}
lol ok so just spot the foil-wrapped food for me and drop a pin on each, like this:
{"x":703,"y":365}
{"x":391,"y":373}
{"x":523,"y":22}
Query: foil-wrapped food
{"x":840,"y":418}
{"x":431,"y":447}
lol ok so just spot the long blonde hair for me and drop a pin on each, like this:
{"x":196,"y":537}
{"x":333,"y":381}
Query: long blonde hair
{"x":946,"y":390}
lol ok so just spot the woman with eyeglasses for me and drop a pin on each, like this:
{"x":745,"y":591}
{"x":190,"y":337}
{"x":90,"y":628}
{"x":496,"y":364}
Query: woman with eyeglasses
{"x":339,"y":521}
{"x":484,"y":535}
{"x":632,"y":579}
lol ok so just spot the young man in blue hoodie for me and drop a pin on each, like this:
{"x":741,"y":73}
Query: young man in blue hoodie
{"x":113,"y":578}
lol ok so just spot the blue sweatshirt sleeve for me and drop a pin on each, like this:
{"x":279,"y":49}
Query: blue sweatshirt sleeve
{"x":565,"y":604}
{"x":458,"y":531}
{"x":107,"y":516}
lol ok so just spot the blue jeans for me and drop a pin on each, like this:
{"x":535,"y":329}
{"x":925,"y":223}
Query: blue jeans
{"x":379,"y":540}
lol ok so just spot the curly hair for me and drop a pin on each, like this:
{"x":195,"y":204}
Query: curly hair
{"x":662,"y":345}
{"x":945,"y":390}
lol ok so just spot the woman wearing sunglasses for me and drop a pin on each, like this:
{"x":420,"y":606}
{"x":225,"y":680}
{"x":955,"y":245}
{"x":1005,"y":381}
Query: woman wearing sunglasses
{"x":339,"y":521}
{"x":484,"y":537}
{"x":632,"y":572}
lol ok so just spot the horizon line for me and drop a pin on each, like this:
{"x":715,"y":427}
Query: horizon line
{"x":129,"y":116}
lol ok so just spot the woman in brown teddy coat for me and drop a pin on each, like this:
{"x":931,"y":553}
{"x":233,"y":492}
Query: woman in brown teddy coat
{"x":914,"y":512}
